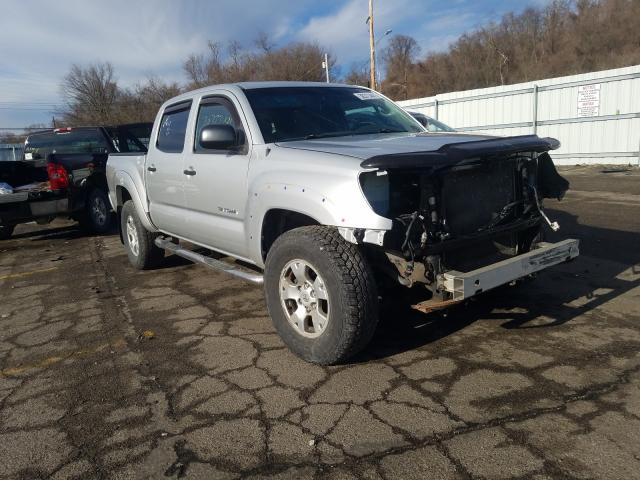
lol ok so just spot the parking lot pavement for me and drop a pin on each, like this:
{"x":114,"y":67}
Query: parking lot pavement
{"x":178,"y":373}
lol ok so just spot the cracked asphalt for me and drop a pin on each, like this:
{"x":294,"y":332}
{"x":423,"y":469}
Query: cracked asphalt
{"x":178,"y":373}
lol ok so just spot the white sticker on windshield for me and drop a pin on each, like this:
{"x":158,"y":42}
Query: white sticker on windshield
{"x":28,"y":156}
{"x":366,"y":95}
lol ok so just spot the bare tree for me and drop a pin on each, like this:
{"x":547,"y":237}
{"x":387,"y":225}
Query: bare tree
{"x":565,"y":37}
{"x":263,"y":42}
{"x":295,"y":61}
{"x":358,"y":74}
{"x":141,"y":103}
{"x":194,"y":69}
{"x":93,"y":97}
{"x":206,"y":69}
{"x":90,"y":94}
{"x":503,"y":58}
{"x":399,"y":57}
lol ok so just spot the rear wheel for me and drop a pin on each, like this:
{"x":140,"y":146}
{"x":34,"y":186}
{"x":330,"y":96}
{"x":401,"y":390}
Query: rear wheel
{"x":98,"y":216}
{"x":6,"y":231}
{"x":138,"y":241}
{"x":321,"y":294}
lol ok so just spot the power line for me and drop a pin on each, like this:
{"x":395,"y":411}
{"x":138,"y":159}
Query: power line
{"x":24,"y":128}
{"x":16,"y":102}
{"x":55,"y":108}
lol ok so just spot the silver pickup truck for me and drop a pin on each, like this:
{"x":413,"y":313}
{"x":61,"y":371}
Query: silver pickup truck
{"x":331,"y":192}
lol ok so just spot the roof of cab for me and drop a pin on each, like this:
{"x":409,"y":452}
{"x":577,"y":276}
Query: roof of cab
{"x":251,"y":86}
{"x":276,"y":84}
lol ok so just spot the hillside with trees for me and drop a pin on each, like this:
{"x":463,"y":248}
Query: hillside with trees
{"x":295,"y":61}
{"x":92,"y":95}
{"x":566,"y":37}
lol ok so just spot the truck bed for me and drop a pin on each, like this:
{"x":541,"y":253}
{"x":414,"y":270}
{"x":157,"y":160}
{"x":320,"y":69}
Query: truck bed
{"x":18,"y":173}
{"x":32,"y":197}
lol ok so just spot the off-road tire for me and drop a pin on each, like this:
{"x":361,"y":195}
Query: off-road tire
{"x":6,"y":231}
{"x":93,"y":221}
{"x":148,"y":254}
{"x":350,"y":285}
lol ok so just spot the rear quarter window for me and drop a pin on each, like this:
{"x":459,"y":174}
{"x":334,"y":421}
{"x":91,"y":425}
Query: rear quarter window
{"x":131,"y":137}
{"x":173,"y":127}
{"x":87,"y":141}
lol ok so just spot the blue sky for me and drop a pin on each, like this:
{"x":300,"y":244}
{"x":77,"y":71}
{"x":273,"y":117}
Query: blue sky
{"x":40,"y":39}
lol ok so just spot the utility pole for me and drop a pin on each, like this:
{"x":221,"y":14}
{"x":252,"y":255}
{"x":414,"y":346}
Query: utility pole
{"x":325,"y":64}
{"x":372,"y":47}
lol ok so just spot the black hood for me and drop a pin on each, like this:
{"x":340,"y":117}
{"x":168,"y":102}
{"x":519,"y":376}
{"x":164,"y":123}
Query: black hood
{"x":550,"y":183}
{"x":455,"y":152}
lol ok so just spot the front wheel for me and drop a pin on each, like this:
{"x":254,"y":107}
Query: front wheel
{"x":6,"y":231}
{"x":138,"y":241}
{"x":321,"y":294}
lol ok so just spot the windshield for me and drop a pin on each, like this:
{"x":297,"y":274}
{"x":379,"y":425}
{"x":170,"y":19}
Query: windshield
{"x":297,"y":113}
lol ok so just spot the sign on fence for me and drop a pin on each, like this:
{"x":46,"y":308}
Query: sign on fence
{"x":589,"y":100}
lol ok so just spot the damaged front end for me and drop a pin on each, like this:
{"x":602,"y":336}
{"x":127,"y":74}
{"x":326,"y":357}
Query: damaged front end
{"x":466,"y":214}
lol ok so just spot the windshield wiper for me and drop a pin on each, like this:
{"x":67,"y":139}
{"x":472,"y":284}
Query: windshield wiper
{"x":388,"y":130}
{"x":345,"y":133}
{"x":311,"y":136}
{"x":381,"y":130}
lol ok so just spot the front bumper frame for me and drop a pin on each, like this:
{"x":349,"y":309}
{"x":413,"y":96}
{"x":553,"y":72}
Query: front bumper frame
{"x":463,"y":285}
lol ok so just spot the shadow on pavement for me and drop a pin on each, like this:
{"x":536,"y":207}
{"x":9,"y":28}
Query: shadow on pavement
{"x":554,"y":298}
{"x":68,"y":232}
{"x":46,"y":233}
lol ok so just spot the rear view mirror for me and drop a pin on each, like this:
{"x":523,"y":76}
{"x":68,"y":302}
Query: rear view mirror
{"x":218,"y":137}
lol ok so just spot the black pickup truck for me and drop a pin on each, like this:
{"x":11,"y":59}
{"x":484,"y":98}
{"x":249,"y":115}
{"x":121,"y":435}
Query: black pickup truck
{"x":62,"y":174}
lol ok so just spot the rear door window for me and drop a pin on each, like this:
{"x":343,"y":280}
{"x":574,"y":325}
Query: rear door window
{"x":173,"y":127}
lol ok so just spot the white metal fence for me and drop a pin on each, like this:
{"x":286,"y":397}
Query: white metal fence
{"x":11,"y":151}
{"x":596,"y":116}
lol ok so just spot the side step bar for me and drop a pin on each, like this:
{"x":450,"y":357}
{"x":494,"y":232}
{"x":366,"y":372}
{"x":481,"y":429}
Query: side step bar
{"x":234,"y":270}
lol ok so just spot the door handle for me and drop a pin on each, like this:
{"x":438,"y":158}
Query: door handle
{"x":151,"y":168}
{"x":190,"y":171}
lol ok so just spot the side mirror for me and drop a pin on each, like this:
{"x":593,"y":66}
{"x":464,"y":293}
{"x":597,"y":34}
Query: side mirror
{"x":218,"y":137}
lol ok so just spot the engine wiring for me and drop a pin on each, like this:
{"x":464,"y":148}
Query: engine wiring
{"x":555,"y":226}
{"x":408,"y":247}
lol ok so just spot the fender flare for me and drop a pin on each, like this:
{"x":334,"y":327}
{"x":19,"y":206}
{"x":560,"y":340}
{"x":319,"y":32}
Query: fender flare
{"x":307,"y":201}
{"x":276,"y":196}
{"x":123,"y":179}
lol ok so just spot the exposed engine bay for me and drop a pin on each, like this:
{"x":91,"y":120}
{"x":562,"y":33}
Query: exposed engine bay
{"x":463,"y":213}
